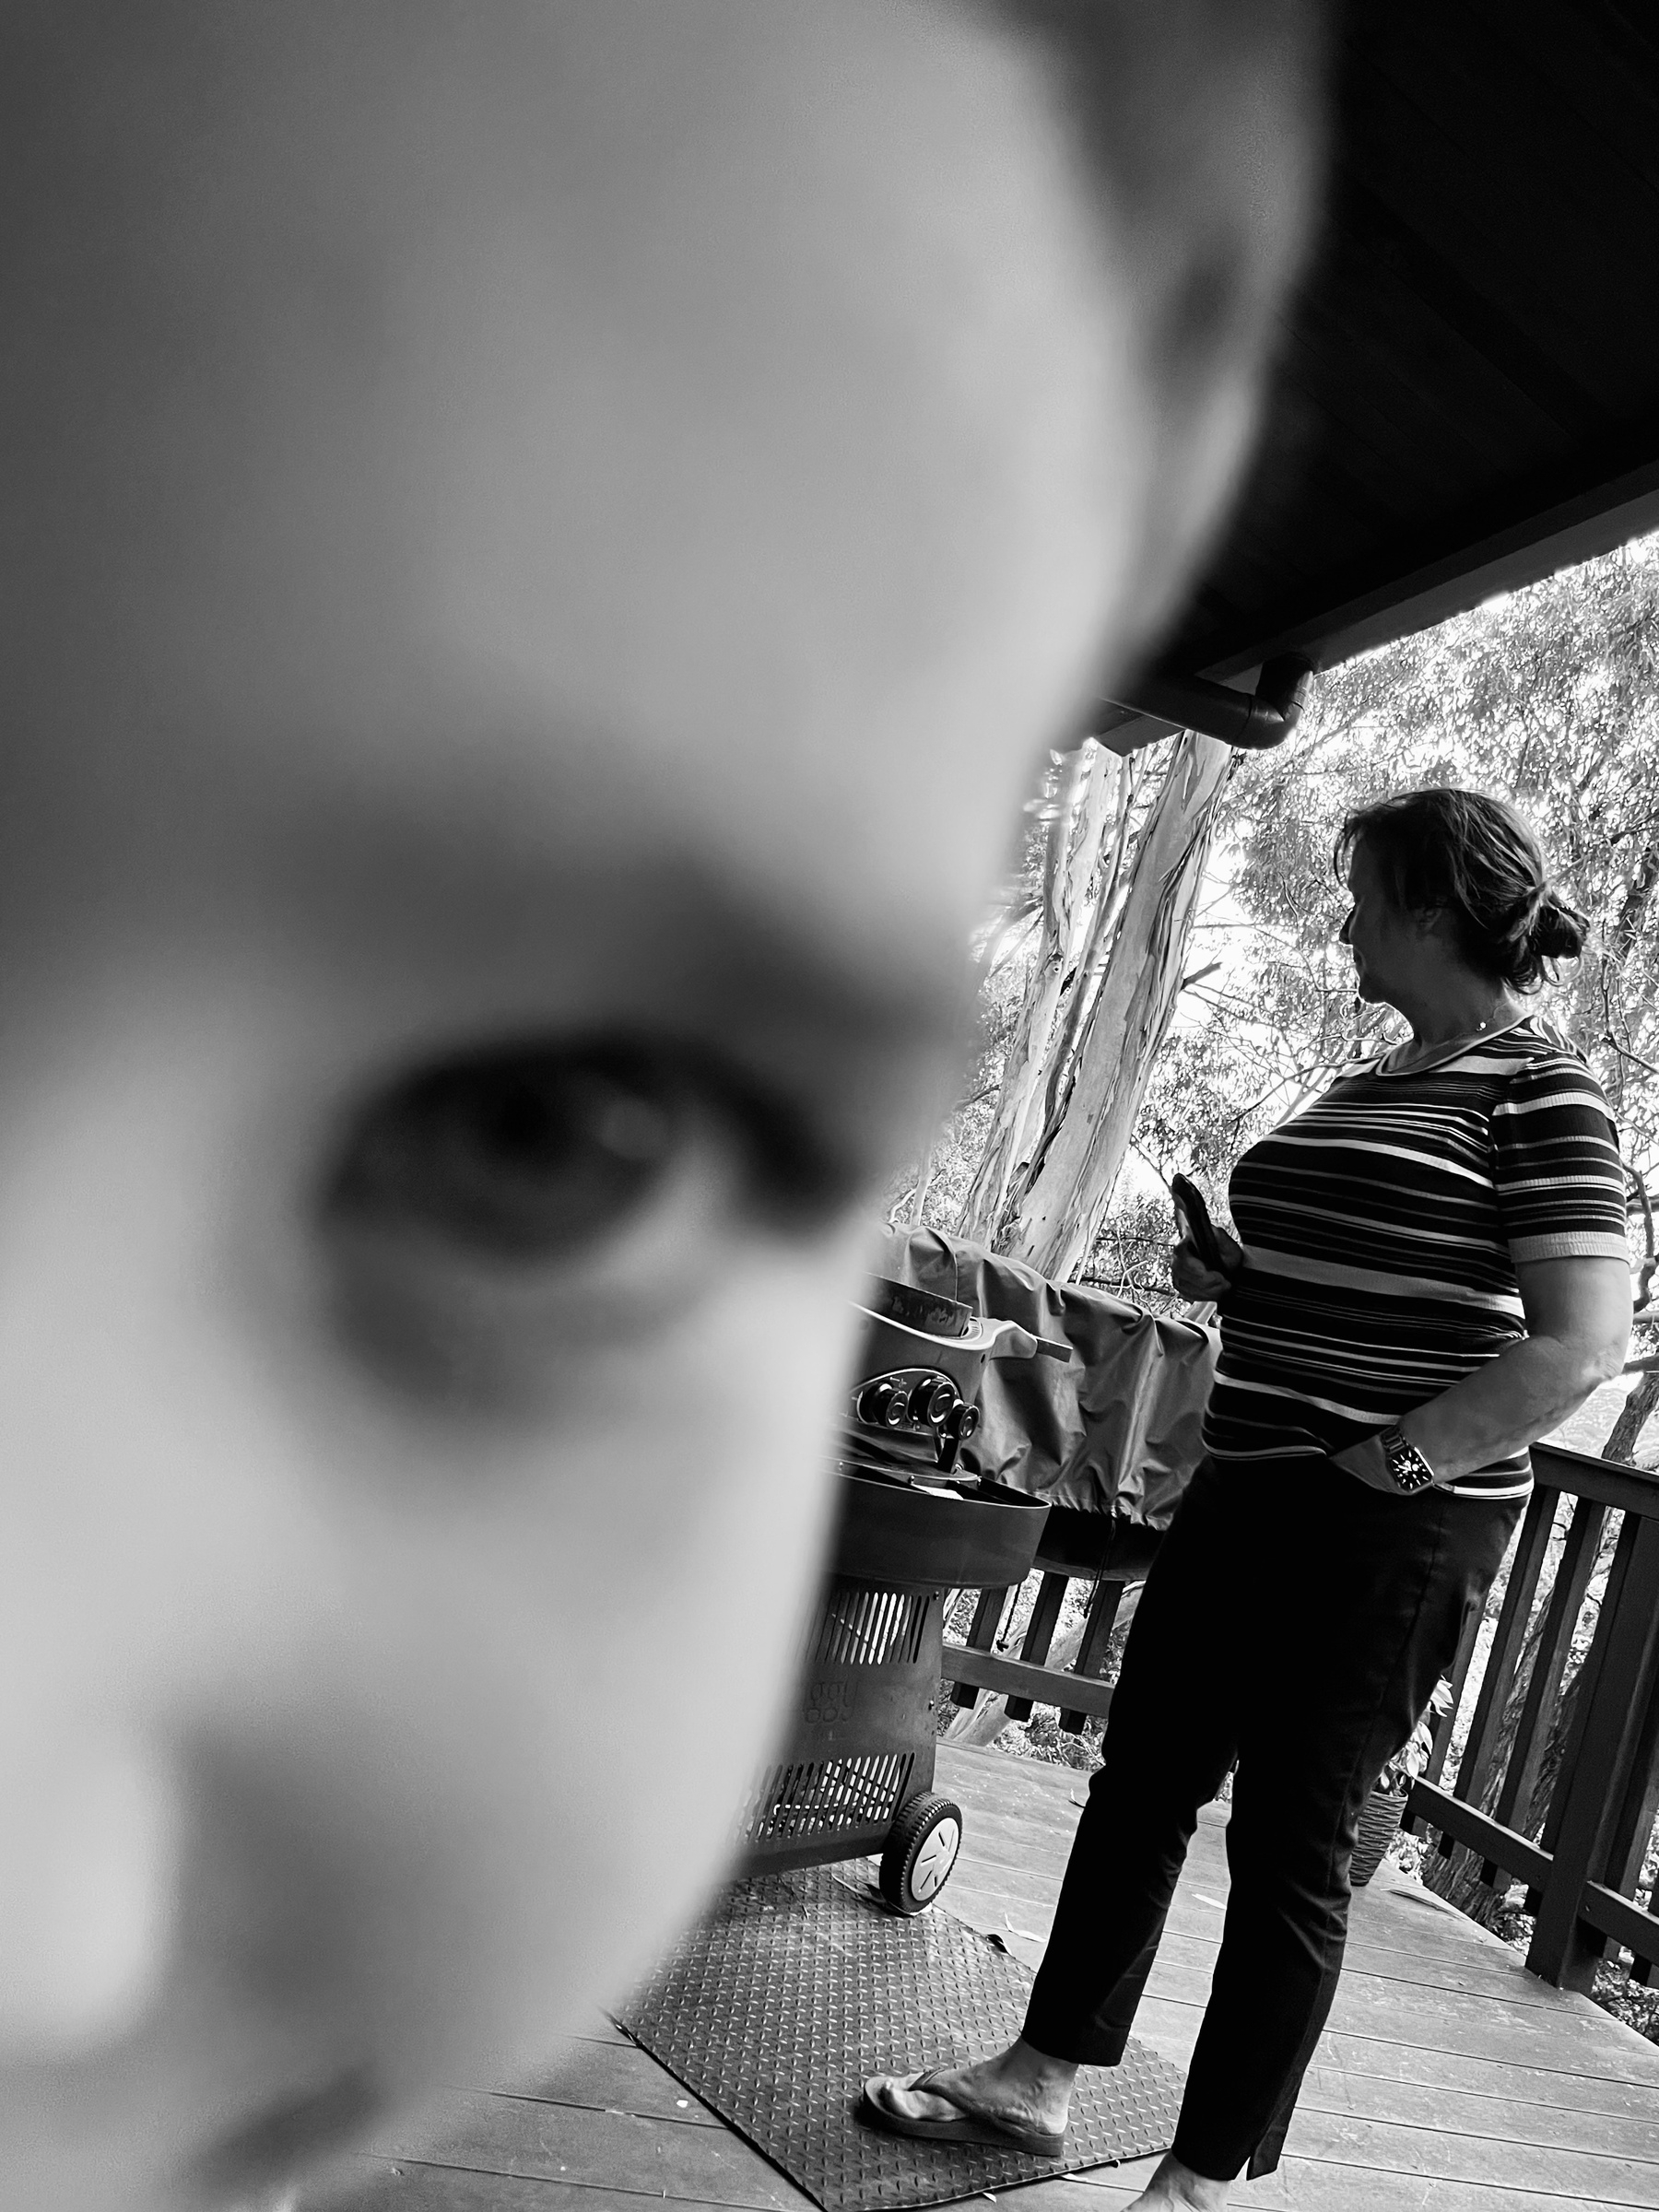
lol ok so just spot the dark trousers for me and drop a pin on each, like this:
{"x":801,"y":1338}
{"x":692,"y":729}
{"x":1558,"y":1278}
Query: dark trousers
{"x":1296,"y":1621}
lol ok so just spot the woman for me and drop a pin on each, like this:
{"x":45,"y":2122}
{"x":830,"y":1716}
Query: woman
{"x":1434,"y":1274}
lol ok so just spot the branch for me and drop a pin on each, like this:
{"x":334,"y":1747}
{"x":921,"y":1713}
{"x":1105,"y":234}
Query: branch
{"x":1625,"y":1053}
{"x":1198,"y":975}
{"x":978,"y":1097}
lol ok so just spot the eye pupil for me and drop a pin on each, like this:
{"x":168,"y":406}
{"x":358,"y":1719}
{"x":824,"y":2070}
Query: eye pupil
{"x":534,"y":1125}
{"x":527,"y":1124}
{"x":517,"y":1125}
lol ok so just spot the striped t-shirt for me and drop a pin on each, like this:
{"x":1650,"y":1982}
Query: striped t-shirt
{"x":1380,"y":1229}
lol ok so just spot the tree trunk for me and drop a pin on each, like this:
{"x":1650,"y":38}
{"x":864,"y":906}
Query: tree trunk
{"x":1632,"y":1419}
{"x":1088,"y":792}
{"x":1062,"y":1198}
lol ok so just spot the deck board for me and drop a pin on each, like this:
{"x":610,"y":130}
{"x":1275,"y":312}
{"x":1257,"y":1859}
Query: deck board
{"x":1448,"y":2080}
{"x":616,"y":2076}
{"x":531,"y":2138}
{"x":380,"y":2184}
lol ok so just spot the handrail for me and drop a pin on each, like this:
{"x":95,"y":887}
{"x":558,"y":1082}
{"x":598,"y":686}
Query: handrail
{"x":1608,"y":1481}
{"x":1019,"y":1679}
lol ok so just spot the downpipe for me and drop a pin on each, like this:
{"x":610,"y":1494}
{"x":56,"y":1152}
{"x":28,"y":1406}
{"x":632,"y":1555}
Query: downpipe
{"x":1254,"y":722}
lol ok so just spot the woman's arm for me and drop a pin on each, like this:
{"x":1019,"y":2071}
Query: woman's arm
{"x":1578,"y":1322}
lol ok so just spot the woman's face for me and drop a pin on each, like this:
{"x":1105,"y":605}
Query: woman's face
{"x":1389,"y":945}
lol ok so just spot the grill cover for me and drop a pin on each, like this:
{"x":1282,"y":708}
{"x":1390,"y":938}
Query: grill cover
{"x":1118,"y":1430}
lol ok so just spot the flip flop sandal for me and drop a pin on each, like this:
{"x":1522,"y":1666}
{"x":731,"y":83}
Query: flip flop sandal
{"x":970,"y":2127}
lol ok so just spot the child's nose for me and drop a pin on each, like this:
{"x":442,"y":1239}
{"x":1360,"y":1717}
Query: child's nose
{"x":1345,"y":936}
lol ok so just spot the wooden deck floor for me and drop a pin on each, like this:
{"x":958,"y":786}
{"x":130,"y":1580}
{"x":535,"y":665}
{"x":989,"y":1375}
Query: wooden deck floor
{"x":1448,"y":2081}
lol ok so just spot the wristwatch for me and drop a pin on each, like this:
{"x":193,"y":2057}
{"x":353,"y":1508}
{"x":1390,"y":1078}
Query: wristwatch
{"x":1406,"y":1464}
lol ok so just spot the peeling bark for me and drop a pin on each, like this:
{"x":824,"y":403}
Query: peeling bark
{"x":1061,"y":1199}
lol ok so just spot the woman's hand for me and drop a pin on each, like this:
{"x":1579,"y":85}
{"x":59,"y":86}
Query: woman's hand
{"x":1368,"y":1463}
{"x":1198,"y":1282}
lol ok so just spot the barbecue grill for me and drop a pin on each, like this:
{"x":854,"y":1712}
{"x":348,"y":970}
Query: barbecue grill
{"x":855,"y":1776}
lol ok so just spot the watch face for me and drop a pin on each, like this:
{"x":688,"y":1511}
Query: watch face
{"x":1411,"y":1470}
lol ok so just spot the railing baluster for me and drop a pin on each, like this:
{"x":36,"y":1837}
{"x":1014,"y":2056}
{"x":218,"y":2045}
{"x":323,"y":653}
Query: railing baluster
{"x":1554,"y":1648}
{"x":1097,"y":1636}
{"x":1592,"y":1788}
{"x":1443,"y":1727}
{"x":1040,"y":1633}
{"x":1594,"y":1658}
{"x":982,"y":1637}
{"x":1507,"y":1644}
{"x":1633,"y":1829}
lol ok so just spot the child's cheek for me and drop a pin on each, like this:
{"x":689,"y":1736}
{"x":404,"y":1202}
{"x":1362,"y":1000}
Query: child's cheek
{"x":457,"y":1706}
{"x":585,"y":1631}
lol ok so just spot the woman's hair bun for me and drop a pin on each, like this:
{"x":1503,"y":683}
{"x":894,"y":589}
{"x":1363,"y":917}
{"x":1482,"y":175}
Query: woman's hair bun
{"x":1559,"y":930}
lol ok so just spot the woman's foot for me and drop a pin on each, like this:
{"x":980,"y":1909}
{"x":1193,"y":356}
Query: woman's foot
{"x":1176,"y":2188}
{"x":1020,"y":2087}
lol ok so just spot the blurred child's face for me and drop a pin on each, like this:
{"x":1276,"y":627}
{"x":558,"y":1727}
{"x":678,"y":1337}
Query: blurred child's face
{"x":546,"y":544}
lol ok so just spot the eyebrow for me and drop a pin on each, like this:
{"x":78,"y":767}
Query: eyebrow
{"x":778,"y":979}
{"x":839,"y":1050}
{"x":847,"y":1029}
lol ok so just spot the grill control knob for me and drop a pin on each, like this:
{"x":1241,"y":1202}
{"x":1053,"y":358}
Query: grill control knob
{"x":931,"y":1399}
{"x":873,"y":1401}
{"x":954,"y":1432}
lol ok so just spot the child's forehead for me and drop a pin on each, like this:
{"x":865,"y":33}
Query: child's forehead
{"x":572,"y":402}
{"x":203,"y":193}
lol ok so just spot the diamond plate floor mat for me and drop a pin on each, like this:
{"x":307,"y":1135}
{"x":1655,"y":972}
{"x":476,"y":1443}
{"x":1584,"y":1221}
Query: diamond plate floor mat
{"x":775,"y":2007}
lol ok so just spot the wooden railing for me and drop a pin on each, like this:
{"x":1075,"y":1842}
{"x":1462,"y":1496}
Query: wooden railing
{"x":1568,"y":1809}
{"x":1082,"y":1547}
{"x":1564,"y":1801}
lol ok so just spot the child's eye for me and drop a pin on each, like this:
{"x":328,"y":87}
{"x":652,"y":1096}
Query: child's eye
{"x":517,"y":1153}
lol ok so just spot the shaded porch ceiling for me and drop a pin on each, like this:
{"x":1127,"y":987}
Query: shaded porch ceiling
{"x":1465,"y":395}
